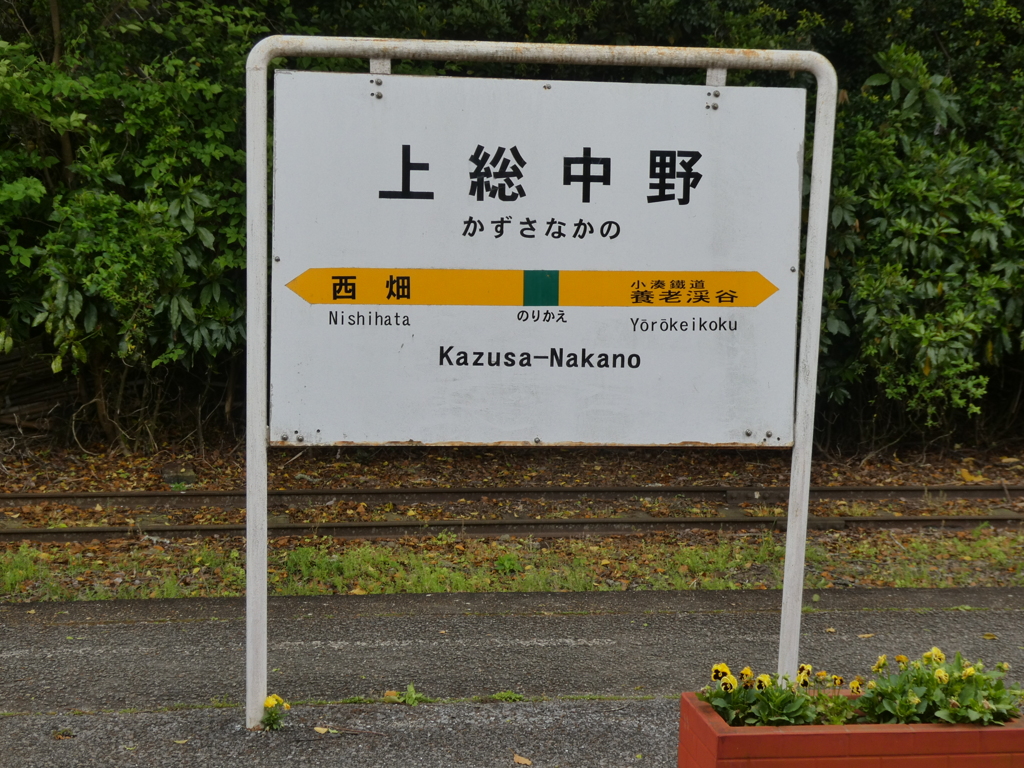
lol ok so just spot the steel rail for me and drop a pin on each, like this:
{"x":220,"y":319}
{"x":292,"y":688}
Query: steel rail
{"x":535,"y":528}
{"x":231,"y":499}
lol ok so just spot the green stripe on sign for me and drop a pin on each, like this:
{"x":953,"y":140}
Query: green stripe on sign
{"x":540,"y":288}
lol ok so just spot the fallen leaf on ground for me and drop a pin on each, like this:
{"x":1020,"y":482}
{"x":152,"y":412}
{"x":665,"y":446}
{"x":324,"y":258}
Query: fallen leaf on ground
{"x":520,"y":760}
{"x":865,"y":637}
{"x":181,"y":741}
{"x":831,"y":630}
{"x":968,"y":477}
{"x":318,"y":729}
{"x":357,"y":591}
{"x":990,"y":636}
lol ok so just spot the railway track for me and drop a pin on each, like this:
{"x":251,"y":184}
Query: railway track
{"x":520,"y":527}
{"x":515,"y":528}
{"x":313,"y":497}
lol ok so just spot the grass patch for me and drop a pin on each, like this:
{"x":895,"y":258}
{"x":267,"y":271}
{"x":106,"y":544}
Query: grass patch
{"x":130,"y":568}
{"x":508,"y":696}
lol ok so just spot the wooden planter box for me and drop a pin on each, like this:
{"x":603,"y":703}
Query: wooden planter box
{"x":705,"y":741}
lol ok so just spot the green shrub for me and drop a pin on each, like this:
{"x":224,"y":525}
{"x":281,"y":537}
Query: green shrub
{"x":122,"y":219}
{"x":925,"y":268}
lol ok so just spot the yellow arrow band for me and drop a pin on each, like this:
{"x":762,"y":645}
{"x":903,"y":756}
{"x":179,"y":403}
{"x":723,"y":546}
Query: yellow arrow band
{"x":517,"y":288}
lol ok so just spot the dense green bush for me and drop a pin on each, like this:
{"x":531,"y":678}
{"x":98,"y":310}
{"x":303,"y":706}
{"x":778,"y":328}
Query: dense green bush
{"x":122,"y":197}
{"x":923,"y":298}
{"x":122,"y":179}
{"x":927,"y":235}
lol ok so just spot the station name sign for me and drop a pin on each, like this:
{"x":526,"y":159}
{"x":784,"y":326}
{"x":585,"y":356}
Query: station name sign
{"x":462,"y":260}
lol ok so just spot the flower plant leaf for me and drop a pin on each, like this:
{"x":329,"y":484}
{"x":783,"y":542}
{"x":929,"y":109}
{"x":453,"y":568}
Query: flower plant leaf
{"x":931,"y":689}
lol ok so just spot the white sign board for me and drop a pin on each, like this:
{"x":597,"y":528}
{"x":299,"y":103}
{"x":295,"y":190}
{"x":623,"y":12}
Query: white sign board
{"x":482,"y":261}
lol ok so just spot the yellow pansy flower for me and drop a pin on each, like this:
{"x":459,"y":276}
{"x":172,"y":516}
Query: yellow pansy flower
{"x":728,"y":683}
{"x":747,"y":677}
{"x":763,"y":682}
{"x":719,"y":671}
{"x":941,"y":675}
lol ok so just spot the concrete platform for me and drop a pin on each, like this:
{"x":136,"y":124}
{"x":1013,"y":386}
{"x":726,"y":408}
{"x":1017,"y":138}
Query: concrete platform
{"x":76,"y":666}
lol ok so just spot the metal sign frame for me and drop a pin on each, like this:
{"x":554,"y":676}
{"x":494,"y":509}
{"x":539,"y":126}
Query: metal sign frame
{"x":380,"y":52}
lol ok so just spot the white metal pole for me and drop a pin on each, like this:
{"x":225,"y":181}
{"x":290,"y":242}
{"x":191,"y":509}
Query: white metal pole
{"x":256,"y":392}
{"x":370,"y":48}
{"x":807,"y":374}
{"x":381,"y":50}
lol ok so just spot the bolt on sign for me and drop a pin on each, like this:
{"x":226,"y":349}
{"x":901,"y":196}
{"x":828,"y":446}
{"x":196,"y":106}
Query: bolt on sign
{"x":494,"y":261}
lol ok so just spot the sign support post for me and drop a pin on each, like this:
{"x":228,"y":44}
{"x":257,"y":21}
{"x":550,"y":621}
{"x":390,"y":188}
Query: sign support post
{"x":257,"y":334}
{"x":380,"y":52}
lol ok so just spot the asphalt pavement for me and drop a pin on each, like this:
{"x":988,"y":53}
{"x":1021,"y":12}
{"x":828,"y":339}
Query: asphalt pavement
{"x":160,"y":682}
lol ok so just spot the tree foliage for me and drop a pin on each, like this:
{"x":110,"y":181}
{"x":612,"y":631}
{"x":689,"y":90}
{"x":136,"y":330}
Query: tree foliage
{"x":123,"y":159}
{"x":122,"y":175}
